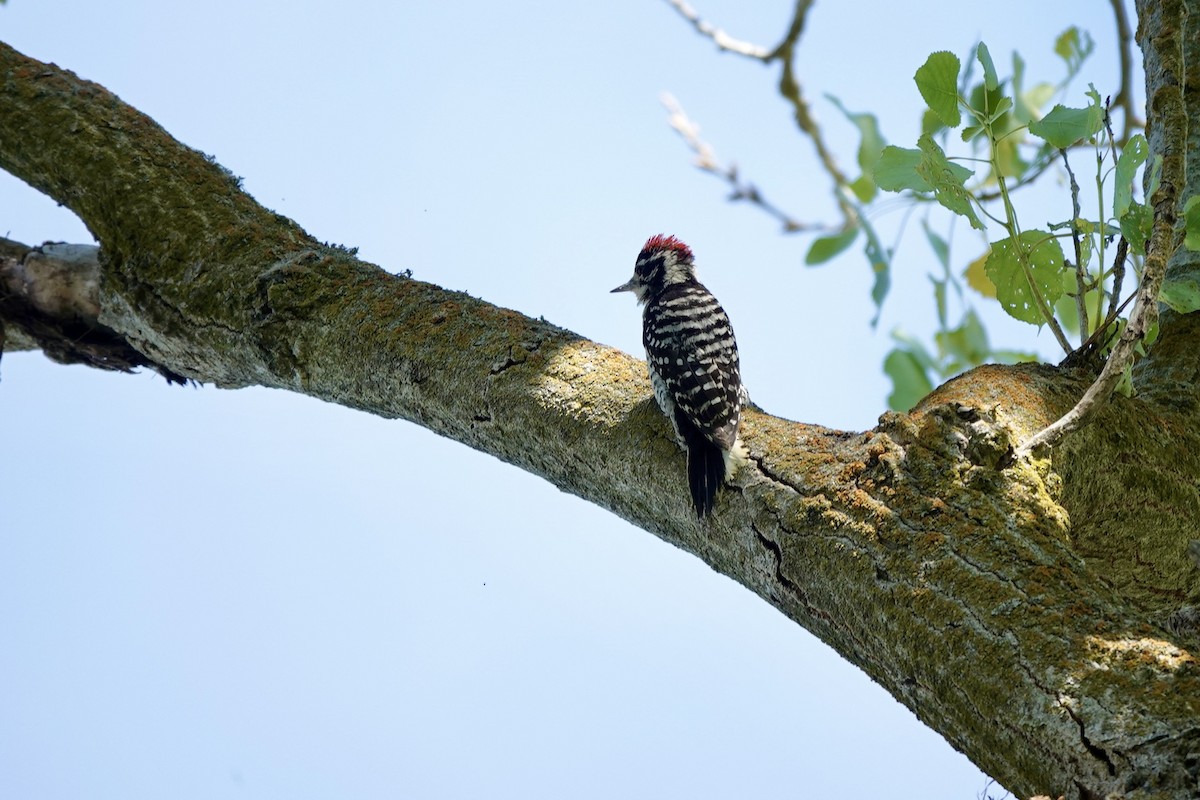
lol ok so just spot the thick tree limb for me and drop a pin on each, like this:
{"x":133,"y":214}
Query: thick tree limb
{"x":50,"y":300}
{"x":921,"y":550}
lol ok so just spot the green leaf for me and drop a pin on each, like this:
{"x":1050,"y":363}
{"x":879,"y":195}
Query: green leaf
{"x":1191,"y":222}
{"x":968,"y":342}
{"x":947,"y":179}
{"x":1024,"y":269}
{"x":1124,"y":386}
{"x":937,"y":80}
{"x":927,"y":170}
{"x":896,"y":170}
{"x":1181,"y":294}
{"x":977,"y":277}
{"x":930,"y":122}
{"x":1027,"y":105}
{"x":971,"y":131}
{"x":1132,"y":157}
{"x":939,"y":298}
{"x":871,"y":142}
{"x":909,"y":382}
{"x":933,"y":160}
{"x":864,"y":188}
{"x":911,"y":344}
{"x":1008,"y":157}
{"x":989,"y":69}
{"x":1074,"y":46}
{"x":1002,"y":108}
{"x":983,"y":102}
{"x":1085,"y":249}
{"x":1063,"y":126}
{"x":880,"y":259}
{"x":826,"y":247}
{"x":1136,"y":226}
{"x":940,"y":247}
{"x":1013,"y":356}
{"x":1067,"y":312}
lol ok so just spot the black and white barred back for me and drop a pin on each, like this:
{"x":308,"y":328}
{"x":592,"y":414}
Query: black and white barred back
{"x":692,"y":358}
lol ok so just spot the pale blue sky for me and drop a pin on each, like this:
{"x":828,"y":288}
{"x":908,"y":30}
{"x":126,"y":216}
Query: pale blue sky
{"x":210,"y":594}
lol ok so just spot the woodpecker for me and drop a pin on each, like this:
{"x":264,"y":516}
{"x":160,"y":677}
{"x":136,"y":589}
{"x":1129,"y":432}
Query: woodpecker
{"x":692,"y":358}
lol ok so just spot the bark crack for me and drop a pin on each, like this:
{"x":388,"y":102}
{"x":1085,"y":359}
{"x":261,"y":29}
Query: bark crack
{"x":786,"y":582}
{"x":1098,"y":752}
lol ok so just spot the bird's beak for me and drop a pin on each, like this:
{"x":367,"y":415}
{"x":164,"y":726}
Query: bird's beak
{"x":627,"y":286}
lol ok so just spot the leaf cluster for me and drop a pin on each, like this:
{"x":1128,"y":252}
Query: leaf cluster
{"x":984,"y":137}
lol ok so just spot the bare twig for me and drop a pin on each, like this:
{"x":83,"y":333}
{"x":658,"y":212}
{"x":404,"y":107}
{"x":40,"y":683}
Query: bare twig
{"x":1080,"y":267}
{"x":1124,"y":96}
{"x":1118,"y":270}
{"x":1112,"y":140}
{"x":795,"y":30}
{"x":1051,"y":321}
{"x":1144,"y":316}
{"x":706,"y":159}
{"x":1098,"y":339}
{"x":789,"y":87}
{"x":720,"y":38}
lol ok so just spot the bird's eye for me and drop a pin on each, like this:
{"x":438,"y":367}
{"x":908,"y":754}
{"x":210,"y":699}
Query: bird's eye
{"x":648,"y":265}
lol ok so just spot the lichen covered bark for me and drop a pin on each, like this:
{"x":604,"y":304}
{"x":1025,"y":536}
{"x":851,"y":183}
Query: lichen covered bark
{"x":996,"y":598}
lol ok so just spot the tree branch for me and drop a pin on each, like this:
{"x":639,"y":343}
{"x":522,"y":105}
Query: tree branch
{"x":920,"y":550}
{"x":1080,"y":267}
{"x":791,"y":90}
{"x":1124,"y":96}
{"x":706,"y":160}
{"x":50,"y":300}
{"x":789,"y":87}
{"x":722,"y":40}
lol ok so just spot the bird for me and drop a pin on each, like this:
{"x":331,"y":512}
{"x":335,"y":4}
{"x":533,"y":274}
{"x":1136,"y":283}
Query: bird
{"x":692,"y":358}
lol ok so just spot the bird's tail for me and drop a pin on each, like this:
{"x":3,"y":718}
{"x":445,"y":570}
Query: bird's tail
{"x":706,"y":473}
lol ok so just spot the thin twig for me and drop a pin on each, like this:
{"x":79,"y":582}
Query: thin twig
{"x":1112,"y":140}
{"x":1124,"y":96}
{"x":706,"y":159}
{"x":720,"y":38}
{"x":1141,"y":320}
{"x":789,"y":87}
{"x":1145,"y":314}
{"x":795,"y":30}
{"x":1080,"y":274}
{"x":1118,"y":270}
{"x":1031,"y":175}
{"x":1097,"y":339}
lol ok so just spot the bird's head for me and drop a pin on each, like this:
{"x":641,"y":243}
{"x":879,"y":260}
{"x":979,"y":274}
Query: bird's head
{"x":664,"y":261}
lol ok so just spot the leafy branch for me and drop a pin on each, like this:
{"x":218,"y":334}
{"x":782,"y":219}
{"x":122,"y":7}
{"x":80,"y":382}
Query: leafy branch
{"x":1026,"y":271}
